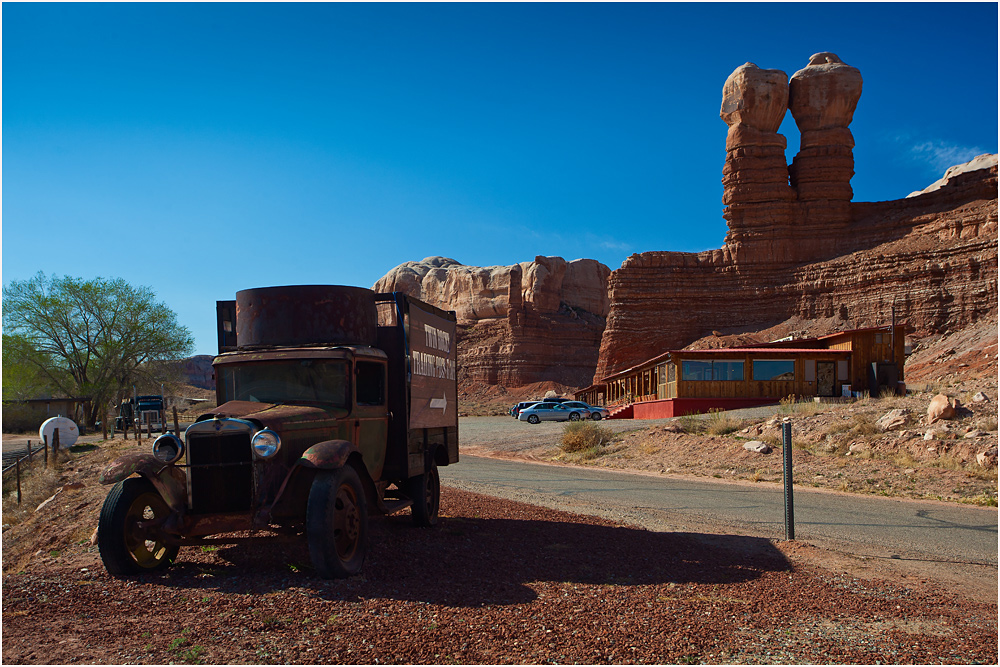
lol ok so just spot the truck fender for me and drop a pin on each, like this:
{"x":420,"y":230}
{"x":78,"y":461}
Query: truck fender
{"x":332,"y":454}
{"x":328,"y":455}
{"x":166,"y":478}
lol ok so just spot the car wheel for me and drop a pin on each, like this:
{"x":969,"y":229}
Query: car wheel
{"x":574,"y":416}
{"x":596,"y":416}
{"x":125,"y":547}
{"x":533,"y":419}
{"x":425,"y":490}
{"x":337,"y":523}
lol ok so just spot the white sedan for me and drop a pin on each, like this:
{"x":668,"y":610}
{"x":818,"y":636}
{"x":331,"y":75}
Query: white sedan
{"x":551,"y":412}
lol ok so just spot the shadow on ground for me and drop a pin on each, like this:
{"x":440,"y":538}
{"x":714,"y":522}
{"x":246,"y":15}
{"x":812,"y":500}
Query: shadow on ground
{"x":487,"y":561}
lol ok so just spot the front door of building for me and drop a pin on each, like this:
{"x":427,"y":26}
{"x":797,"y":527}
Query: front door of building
{"x":826,"y":372}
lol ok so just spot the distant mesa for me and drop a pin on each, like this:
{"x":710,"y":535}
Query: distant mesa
{"x":988,"y":161}
{"x":529,"y":322}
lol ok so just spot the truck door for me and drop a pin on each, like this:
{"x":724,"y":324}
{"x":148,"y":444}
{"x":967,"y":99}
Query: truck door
{"x":371,"y":415}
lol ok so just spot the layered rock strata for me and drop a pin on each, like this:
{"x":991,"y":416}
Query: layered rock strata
{"x":932,"y":258}
{"x":775,"y":211}
{"x":538,"y":321}
{"x":797,"y":247}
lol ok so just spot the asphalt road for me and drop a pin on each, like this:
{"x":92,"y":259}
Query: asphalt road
{"x":860,"y":525}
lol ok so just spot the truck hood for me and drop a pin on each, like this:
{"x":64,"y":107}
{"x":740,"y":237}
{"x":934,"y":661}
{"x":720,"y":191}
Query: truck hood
{"x":275,"y":415}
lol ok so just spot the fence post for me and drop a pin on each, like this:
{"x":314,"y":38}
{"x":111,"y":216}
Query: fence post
{"x":29,"y":451}
{"x":55,"y":448}
{"x":104,"y":426}
{"x":786,"y":447}
{"x":177,"y":426}
{"x":17,"y":471}
{"x":45,"y":448}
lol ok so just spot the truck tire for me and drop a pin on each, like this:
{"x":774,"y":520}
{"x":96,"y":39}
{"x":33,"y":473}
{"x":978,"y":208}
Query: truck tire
{"x":425,"y":490}
{"x":337,"y":523}
{"x":125,"y":548}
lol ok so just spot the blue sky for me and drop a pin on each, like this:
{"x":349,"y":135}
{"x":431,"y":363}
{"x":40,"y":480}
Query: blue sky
{"x":200,"y":149}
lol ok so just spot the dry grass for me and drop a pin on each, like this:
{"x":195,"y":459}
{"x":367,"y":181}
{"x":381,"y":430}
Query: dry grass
{"x":723,"y":423}
{"x":37,"y":484}
{"x":584,"y":436}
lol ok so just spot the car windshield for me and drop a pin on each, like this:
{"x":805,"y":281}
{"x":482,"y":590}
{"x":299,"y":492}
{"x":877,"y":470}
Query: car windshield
{"x":292,"y":381}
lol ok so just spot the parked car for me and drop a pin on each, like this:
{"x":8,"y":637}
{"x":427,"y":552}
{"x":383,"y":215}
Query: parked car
{"x":515,"y":410}
{"x":596,"y":412}
{"x":549,"y":411}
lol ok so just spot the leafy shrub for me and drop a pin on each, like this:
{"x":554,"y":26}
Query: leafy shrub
{"x":582,"y":435}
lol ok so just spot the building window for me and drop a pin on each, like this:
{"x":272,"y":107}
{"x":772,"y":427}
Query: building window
{"x":697,"y":371}
{"x":773,"y":369}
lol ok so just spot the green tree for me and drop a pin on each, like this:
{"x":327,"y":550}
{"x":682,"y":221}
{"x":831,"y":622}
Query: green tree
{"x":93,"y":338}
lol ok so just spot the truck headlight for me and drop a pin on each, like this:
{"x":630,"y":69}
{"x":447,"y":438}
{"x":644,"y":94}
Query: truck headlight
{"x":168,"y":448}
{"x":265,"y":443}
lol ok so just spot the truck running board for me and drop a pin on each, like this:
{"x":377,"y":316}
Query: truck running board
{"x":391,"y":505}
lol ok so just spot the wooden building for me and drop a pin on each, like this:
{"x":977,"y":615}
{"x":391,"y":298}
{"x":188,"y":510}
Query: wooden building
{"x":679,"y":382}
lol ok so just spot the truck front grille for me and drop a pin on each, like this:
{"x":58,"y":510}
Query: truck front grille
{"x":220,"y":472}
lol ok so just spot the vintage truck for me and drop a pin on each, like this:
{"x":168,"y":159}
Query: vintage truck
{"x":334,"y":403}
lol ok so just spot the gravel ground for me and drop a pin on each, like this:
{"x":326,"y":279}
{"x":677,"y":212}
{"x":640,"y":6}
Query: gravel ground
{"x":497,"y":582}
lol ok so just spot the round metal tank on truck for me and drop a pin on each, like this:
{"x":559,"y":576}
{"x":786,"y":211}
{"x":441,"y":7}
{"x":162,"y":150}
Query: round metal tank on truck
{"x":306,"y":314}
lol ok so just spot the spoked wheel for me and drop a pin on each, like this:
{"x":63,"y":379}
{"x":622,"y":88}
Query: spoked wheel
{"x":574,"y":416}
{"x":337,"y":523}
{"x":596,"y":416}
{"x":533,"y":419}
{"x":425,"y":490}
{"x":128,"y":534}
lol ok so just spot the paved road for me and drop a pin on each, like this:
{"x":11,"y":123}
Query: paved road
{"x":862,"y":525}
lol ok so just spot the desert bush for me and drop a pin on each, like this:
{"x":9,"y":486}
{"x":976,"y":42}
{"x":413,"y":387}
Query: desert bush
{"x":987,"y":423}
{"x":864,"y":424}
{"x":584,"y":435}
{"x":691,"y":424}
{"x":722,"y":423}
{"x":790,"y":405}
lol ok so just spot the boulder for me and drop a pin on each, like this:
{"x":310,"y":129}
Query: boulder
{"x":893,"y":420}
{"x":987,"y":459}
{"x":757,"y":447}
{"x":941,"y":407}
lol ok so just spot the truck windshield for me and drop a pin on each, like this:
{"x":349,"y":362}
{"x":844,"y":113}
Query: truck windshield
{"x":292,"y":381}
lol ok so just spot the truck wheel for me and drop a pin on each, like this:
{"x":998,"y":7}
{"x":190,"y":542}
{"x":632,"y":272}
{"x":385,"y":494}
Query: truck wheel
{"x":337,"y":523}
{"x":125,"y":547}
{"x":425,"y":490}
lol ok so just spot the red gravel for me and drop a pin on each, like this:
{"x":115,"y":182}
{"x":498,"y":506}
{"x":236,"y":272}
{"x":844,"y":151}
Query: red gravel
{"x":496,"y":582}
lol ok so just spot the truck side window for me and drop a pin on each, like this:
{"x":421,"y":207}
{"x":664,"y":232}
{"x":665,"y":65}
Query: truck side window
{"x":370,"y":383}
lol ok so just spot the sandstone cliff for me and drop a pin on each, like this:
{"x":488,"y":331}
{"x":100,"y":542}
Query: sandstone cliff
{"x":530,"y":322}
{"x":798,"y":249}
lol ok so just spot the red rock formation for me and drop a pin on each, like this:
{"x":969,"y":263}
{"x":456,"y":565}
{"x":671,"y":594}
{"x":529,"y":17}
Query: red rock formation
{"x":932,"y":256}
{"x":530,"y":322}
{"x":803,"y":251}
